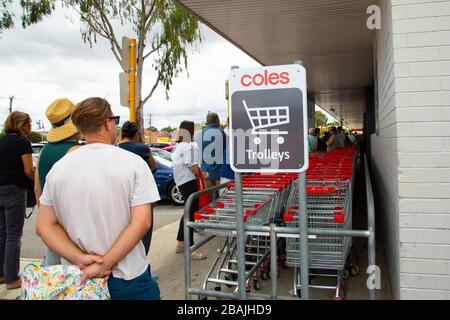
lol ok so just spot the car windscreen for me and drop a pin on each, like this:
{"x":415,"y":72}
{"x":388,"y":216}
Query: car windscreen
{"x":36,"y":149}
{"x":163,"y":161}
{"x":162,"y":154}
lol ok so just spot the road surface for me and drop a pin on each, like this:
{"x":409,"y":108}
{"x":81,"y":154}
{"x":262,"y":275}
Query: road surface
{"x":33,"y":247}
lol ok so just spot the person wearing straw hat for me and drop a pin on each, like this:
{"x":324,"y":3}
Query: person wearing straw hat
{"x":102,"y":233}
{"x":62,"y":138}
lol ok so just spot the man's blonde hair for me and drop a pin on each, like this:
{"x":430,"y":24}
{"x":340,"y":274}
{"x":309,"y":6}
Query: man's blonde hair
{"x":90,"y":114}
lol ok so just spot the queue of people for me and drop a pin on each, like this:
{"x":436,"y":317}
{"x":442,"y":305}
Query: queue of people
{"x":101,"y":234}
{"x":199,"y":156}
{"x":107,"y":234}
{"x":334,"y":138}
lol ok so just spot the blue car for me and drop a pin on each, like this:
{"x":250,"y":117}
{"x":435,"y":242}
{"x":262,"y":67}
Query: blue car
{"x":164,"y":177}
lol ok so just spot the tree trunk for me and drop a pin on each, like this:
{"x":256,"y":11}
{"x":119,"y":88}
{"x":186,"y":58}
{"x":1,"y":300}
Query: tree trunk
{"x":140,"y":120}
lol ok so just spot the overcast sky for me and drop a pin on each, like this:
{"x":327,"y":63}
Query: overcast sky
{"x":49,"y":60}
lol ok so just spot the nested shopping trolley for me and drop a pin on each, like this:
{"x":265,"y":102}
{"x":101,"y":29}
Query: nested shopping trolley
{"x":268,"y":236}
{"x":264,"y":199}
{"x":329,"y":190}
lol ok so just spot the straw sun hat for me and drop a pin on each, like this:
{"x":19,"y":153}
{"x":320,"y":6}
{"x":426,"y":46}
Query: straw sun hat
{"x":59,"y":113}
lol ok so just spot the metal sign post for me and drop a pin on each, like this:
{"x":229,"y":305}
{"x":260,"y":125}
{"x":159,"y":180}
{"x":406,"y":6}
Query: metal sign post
{"x":303,"y":221}
{"x":240,"y":232}
{"x":127,"y":79}
{"x":132,"y":80}
{"x":240,"y":237}
{"x":304,"y":250}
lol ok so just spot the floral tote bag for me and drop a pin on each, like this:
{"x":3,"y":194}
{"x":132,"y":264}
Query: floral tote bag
{"x":61,"y":282}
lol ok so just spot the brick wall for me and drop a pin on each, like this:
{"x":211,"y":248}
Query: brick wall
{"x":384,"y":147}
{"x":420,"y":32}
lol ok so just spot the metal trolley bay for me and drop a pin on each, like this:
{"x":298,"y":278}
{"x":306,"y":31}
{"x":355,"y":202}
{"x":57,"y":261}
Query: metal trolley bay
{"x":329,"y":190}
{"x":264,"y":199}
{"x":271,"y":217}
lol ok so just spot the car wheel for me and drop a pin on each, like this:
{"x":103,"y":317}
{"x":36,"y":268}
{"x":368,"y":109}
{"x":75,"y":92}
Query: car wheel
{"x":175,"y":195}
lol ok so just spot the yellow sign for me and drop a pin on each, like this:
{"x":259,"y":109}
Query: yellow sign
{"x":163,"y":139}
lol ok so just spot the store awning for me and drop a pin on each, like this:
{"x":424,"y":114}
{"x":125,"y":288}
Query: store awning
{"x":330,"y":36}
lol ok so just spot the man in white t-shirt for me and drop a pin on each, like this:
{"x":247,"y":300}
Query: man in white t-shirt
{"x":95,"y":207}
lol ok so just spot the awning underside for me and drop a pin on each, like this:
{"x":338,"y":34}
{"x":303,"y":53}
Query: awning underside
{"x":330,"y":36}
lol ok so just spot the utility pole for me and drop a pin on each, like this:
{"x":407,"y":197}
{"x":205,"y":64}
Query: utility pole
{"x":132,"y":80}
{"x":149,"y":120}
{"x":11,"y":98}
{"x":127,"y":78}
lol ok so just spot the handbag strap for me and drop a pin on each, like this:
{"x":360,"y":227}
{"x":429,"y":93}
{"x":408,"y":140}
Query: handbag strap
{"x":28,"y":216}
{"x":201,"y":183}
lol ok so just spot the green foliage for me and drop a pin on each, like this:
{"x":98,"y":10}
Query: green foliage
{"x":33,"y":11}
{"x":152,"y":129}
{"x":334,"y":123}
{"x":6,"y":16}
{"x":162,"y":27}
{"x":2,"y":134}
{"x":35,"y":137}
{"x":179,"y":29}
{"x":168,"y":129}
{"x":320,"y":119}
{"x":163,"y":30}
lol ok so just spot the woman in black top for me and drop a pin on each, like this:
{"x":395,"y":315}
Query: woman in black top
{"x":16,"y":167}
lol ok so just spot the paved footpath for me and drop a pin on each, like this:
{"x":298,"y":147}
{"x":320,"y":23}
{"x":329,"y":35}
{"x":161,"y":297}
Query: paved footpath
{"x":170,"y":268}
{"x":15,"y":294}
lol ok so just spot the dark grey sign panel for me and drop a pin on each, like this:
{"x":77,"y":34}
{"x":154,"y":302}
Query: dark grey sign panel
{"x":268,"y":130}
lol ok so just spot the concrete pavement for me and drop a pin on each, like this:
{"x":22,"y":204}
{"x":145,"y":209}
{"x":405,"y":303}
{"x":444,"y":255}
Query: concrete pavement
{"x":33,"y":247}
{"x":15,"y":294}
{"x":170,"y":268}
{"x":170,"y":265}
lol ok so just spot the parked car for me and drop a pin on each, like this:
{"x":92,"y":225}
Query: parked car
{"x":168,"y":146}
{"x":164,"y":177}
{"x":36,"y":147}
{"x":162,"y":153}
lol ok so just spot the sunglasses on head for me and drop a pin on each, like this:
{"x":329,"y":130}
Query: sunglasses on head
{"x":116,"y":119}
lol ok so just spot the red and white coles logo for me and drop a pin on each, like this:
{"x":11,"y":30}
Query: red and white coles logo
{"x":265,"y":79}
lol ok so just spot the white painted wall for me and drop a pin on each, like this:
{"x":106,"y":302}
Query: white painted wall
{"x":384,"y":146}
{"x":411,"y":155}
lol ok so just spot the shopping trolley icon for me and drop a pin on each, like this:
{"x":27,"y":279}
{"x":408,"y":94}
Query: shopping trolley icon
{"x":264,"y":118}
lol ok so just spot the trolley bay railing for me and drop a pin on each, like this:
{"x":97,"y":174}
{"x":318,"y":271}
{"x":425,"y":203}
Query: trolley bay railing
{"x":370,"y":224}
{"x":273,"y":232}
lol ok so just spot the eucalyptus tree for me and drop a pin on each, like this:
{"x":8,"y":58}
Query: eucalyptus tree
{"x":163,"y":31}
{"x":33,"y":11}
